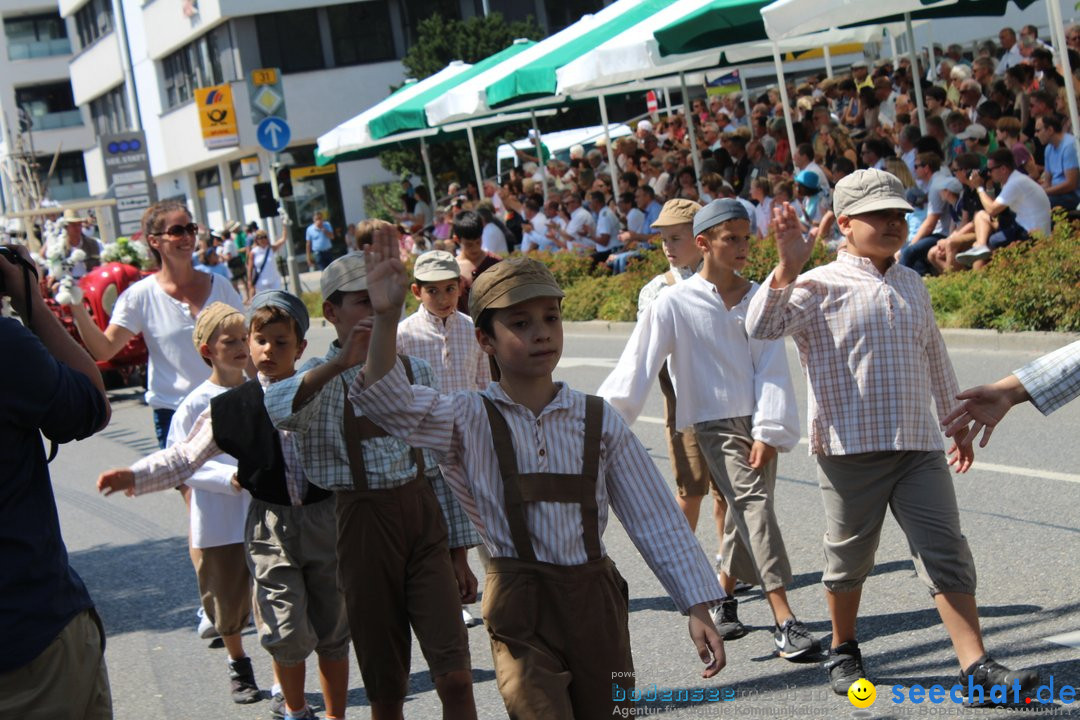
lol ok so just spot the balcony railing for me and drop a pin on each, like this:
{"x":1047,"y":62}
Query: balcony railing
{"x":57,"y":120}
{"x":29,"y":50}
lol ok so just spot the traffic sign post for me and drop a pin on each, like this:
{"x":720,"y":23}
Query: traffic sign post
{"x":267,"y":98}
{"x":273,"y":134}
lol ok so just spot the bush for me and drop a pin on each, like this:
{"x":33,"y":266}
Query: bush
{"x":1027,"y":286}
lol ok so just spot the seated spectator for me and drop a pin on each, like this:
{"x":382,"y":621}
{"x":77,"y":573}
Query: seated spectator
{"x":534,"y":234}
{"x":948,"y":193}
{"x":761,"y":196}
{"x":1022,"y":207}
{"x":1061,"y":172}
{"x":1008,"y":137}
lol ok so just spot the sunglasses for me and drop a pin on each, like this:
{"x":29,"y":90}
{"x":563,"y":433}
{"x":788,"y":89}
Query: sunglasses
{"x":180,"y":230}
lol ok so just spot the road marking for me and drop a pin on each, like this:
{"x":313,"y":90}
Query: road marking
{"x":988,"y":467}
{"x":1070,"y":639}
{"x":574,"y":362}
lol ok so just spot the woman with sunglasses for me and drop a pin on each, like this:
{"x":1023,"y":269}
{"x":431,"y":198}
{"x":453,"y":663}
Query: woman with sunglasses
{"x":162,"y":307}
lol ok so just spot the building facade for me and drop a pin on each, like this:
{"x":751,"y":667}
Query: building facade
{"x":137,"y":64}
{"x":39,"y":117}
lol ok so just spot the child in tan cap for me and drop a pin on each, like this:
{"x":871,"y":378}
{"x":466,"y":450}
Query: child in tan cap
{"x":540,"y":466}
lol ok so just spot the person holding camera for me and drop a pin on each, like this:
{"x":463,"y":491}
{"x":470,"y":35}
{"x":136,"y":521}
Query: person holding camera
{"x":53,"y":663}
{"x":1022,"y":207}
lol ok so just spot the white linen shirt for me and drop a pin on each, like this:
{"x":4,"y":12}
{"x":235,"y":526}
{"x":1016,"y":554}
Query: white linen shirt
{"x":457,"y":428}
{"x":718,"y":372}
{"x":218,"y":510}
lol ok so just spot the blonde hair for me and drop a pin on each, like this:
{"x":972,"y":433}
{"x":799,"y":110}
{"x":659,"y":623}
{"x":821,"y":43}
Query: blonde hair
{"x":366,"y":229}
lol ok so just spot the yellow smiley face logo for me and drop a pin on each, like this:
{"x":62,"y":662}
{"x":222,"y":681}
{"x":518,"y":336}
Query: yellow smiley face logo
{"x":862,"y":693}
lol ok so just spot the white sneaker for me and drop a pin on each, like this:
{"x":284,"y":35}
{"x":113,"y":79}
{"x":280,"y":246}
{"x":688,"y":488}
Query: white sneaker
{"x":969,"y":257}
{"x":469,"y":620}
{"x":206,"y":630}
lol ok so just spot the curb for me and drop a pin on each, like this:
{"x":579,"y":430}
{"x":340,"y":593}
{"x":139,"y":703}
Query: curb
{"x":955,"y":338}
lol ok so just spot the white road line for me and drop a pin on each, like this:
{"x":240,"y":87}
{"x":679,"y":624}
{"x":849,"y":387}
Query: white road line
{"x":1069,"y":639}
{"x":574,"y":362}
{"x":988,"y":467}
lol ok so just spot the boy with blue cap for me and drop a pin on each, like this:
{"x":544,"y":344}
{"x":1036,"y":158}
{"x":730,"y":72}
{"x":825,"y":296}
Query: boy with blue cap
{"x":736,"y":394}
{"x":290,"y":532}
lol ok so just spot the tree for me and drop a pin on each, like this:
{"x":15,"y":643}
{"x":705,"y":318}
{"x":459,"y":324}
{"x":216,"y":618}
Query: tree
{"x":441,"y":41}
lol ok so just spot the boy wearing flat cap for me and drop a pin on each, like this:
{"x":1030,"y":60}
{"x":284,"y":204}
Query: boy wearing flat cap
{"x":401,"y":536}
{"x":289,"y":533}
{"x":540,"y":466}
{"x":873,"y":357}
{"x":737,"y":398}
{"x":446,"y":339}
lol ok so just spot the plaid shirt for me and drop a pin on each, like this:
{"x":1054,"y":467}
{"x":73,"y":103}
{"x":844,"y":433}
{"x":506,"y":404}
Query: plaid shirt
{"x":450,"y":348}
{"x":872,"y":351}
{"x":172,"y":466}
{"x":319,"y":432}
{"x":456,"y":426}
{"x":1053,"y":379}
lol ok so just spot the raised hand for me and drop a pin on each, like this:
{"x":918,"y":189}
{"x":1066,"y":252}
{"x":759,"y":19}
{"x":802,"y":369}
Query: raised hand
{"x":355,"y":348}
{"x":793,"y":246}
{"x":386,"y":276}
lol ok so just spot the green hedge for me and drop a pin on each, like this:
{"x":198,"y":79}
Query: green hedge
{"x":1028,"y":286}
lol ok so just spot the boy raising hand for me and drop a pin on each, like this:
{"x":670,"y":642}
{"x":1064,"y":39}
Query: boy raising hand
{"x":541,"y":465}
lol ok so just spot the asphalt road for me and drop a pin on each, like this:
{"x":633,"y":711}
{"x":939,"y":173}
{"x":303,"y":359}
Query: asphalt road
{"x":1020,"y":509}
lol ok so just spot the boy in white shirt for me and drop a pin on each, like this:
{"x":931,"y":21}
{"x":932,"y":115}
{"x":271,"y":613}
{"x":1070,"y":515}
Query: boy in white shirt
{"x":218,"y":509}
{"x":540,"y":465}
{"x":739,"y":399}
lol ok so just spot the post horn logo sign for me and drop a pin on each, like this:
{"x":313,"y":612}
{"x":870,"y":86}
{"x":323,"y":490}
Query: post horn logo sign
{"x":217,"y":117}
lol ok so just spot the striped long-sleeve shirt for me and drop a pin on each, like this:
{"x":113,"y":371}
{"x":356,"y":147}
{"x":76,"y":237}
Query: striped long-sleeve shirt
{"x":1053,"y":379}
{"x":456,"y":427}
{"x":872,"y":351}
{"x":318,"y":431}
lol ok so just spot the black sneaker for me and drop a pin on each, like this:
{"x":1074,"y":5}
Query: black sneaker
{"x":793,"y":639}
{"x":242,"y":678}
{"x":986,"y":672}
{"x":844,"y":666}
{"x":726,"y":618}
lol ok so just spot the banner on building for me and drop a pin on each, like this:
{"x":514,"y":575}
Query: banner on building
{"x":217,"y":116}
{"x":723,"y":85}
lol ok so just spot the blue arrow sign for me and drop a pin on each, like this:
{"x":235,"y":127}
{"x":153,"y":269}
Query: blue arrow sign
{"x":273,"y":134}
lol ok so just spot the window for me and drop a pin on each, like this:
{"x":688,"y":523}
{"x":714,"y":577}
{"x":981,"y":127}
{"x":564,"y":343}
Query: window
{"x":49,"y":106}
{"x":413,"y":12}
{"x":201,"y":63}
{"x":291,"y":40}
{"x":68,"y":180}
{"x":109,"y":112}
{"x":32,"y":36}
{"x":207,"y":178}
{"x":562,"y":13}
{"x":360,"y":33}
{"x":93,"y":20}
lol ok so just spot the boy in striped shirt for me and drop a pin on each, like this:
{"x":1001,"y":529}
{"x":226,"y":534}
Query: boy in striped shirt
{"x":445,"y":337}
{"x":540,"y":464}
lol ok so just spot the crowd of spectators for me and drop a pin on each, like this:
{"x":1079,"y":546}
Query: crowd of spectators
{"x":997,"y":154}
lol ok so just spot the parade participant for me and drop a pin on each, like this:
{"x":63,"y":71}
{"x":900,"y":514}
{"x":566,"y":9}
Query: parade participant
{"x":747,"y":416}
{"x":555,"y":606}
{"x":401,"y":563}
{"x":873,"y":356}
{"x":289,"y":534}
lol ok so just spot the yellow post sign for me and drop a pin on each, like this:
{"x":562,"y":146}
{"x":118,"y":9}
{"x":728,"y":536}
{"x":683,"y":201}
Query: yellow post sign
{"x":217,"y":116}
